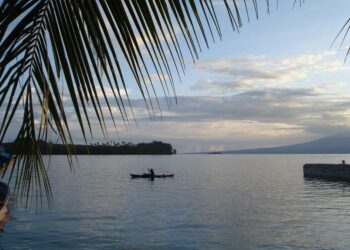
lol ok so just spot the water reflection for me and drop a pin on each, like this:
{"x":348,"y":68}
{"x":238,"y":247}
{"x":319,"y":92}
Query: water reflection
{"x":215,"y":202}
{"x":324,"y":183}
{"x":4,"y":217}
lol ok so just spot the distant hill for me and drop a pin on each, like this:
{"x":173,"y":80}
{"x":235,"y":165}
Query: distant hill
{"x":336,"y":144}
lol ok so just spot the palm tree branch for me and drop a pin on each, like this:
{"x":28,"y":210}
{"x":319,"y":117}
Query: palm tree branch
{"x":88,"y":47}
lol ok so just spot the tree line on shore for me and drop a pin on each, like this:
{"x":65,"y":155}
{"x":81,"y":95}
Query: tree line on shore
{"x":107,"y":148}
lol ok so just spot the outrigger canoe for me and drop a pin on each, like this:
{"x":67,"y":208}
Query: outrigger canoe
{"x":150,"y":176}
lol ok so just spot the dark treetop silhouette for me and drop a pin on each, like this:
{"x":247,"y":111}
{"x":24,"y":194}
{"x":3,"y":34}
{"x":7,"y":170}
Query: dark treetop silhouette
{"x":108,"y":148}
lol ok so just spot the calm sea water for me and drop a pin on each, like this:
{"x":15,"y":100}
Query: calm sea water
{"x":213,"y":202}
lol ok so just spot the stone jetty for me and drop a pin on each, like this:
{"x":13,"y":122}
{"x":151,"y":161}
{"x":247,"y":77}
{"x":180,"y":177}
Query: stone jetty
{"x":328,"y":171}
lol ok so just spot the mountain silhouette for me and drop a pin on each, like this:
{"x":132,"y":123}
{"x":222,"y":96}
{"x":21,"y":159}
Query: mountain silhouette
{"x":336,"y":144}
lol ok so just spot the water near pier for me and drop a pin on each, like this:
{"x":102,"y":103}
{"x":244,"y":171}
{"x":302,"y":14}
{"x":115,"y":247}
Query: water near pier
{"x":214,"y":202}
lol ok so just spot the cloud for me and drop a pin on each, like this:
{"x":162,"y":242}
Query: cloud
{"x":232,"y":74}
{"x":262,"y":105}
{"x":248,"y":117}
{"x":244,"y":102}
{"x":252,"y":118}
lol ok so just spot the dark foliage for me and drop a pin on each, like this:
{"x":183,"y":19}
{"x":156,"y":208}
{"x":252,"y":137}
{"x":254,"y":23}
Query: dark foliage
{"x":110,"y":148}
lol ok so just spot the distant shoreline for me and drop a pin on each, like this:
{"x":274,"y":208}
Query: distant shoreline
{"x":335,"y":144}
{"x":110,"y":148}
{"x":266,"y":153}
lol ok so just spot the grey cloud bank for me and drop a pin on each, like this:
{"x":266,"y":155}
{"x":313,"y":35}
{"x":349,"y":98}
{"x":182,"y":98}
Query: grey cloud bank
{"x":252,"y":118}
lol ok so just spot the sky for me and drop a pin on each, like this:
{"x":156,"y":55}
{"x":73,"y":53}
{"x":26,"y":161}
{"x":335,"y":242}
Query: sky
{"x":276,"y":82}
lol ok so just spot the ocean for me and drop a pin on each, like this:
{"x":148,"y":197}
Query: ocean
{"x":213,"y":202}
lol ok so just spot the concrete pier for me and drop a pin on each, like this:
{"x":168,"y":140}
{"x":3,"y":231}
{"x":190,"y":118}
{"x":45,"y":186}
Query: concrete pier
{"x":328,"y":171}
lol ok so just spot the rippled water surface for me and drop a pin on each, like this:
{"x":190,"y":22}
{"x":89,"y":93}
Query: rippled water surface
{"x":213,"y":202}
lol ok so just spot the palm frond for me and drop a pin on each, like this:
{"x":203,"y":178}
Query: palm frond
{"x":344,"y":31}
{"x":87,"y":46}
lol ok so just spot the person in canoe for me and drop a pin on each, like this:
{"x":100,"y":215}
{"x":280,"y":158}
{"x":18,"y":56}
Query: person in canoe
{"x":151,"y":172}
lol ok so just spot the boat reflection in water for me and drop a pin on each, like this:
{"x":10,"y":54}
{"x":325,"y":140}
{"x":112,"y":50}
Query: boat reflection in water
{"x":6,"y":161}
{"x":4,"y":198}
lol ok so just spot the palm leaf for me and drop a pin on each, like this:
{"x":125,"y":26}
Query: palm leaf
{"x":87,"y":45}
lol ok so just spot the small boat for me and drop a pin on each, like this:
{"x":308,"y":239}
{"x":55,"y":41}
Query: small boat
{"x":150,"y":176}
{"x":4,"y":157}
{"x":4,"y":198}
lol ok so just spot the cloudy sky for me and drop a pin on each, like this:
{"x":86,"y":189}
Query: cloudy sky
{"x":277,"y":82}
